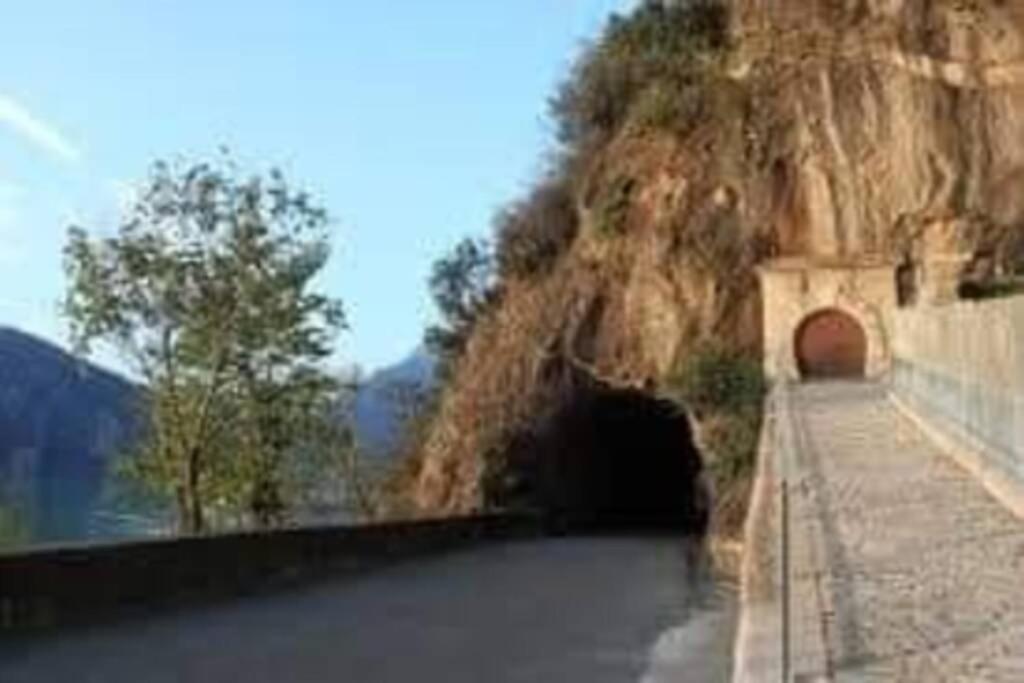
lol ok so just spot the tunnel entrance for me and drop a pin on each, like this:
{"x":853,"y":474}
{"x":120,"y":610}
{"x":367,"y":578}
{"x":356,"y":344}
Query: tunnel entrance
{"x":622,"y":459}
{"x":830,"y":344}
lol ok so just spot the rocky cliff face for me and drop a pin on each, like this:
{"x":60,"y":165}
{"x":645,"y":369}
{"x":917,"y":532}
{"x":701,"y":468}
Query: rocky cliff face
{"x":899,"y":125}
{"x":835,"y":130}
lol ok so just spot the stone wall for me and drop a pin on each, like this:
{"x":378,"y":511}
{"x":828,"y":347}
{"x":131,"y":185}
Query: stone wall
{"x":794,"y":289}
{"x":959,"y":370}
{"x":45,"y":588}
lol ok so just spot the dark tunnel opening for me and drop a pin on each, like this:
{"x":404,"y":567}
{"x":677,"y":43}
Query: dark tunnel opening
{"x":620,"y":459}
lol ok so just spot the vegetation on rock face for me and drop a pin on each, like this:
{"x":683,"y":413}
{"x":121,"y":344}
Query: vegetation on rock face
{"x":716,"y":380}
{"x":648,"y":68}
{"x":462,"y":285}
{"x":652,"y":59}
{"x":561,"y":265}
{"x":724,"y":390}
{"x":533,"y":233}
{"x":207,"y":290}
{"x":612,"y":209}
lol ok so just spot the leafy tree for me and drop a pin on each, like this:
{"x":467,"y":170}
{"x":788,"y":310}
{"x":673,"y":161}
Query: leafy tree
{"x":207,"y":290}
{"x":462,"y":285}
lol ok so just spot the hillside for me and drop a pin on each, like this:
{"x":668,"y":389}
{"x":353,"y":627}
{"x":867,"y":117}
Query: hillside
{"x":697,"y":142}
{"x":61,"y":422}
{"x":377,"y":415}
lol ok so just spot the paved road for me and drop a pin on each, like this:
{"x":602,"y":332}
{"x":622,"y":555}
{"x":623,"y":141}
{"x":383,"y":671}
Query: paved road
{"x":587,"y":610}
{"x":925,"y":570}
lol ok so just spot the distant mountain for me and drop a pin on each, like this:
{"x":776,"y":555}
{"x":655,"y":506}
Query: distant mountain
{"x":62,"y":421}
{"x":377,"y":409}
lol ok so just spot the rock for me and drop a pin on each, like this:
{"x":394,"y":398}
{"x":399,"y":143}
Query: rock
{"x":887,"y":130}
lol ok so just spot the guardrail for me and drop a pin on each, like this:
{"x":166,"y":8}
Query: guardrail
{"x":790,"y":482}
{"x":785,"y":448}
{"x":48,"y":587}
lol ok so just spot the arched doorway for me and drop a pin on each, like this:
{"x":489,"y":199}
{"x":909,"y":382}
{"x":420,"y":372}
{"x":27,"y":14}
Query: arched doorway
{"x":613,"y":458}
{"x":831,"y":344}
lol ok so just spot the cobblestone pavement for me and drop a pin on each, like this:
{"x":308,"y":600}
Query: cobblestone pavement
{"x":923,"y":575}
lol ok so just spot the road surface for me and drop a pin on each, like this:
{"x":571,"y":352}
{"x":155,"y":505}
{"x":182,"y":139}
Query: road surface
{"x":590,"y":610}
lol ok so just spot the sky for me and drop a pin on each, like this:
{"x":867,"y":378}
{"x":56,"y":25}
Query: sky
{"x":411,"y":121}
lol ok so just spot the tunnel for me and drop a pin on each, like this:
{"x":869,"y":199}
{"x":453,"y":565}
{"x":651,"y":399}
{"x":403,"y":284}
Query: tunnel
{"x":619,"y":459}
{"x":831,"y":344}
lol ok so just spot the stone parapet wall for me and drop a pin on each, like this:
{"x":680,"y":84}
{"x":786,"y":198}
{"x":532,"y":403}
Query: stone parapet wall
{"x":762,"y":638}
{"x":959,"y":370}
{"x":45,"y":588}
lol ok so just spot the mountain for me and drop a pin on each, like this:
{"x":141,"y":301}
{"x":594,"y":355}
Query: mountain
{"x":378,"y":409}
{"x":62,"y":421}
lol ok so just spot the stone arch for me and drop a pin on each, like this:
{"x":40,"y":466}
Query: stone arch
{"x":831,"y":344}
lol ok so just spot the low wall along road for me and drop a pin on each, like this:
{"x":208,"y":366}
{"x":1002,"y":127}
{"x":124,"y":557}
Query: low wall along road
{"x":958,"y":371}
{"x":68,"y":585}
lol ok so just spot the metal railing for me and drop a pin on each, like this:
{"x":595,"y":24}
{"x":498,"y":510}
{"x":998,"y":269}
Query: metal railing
{"x":785,"y":445}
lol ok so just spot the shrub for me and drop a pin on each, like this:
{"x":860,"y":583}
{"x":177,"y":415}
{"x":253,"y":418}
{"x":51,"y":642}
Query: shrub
{"x":463,"y":288}
{"x":725,"y":389}
{"x":990,"y":289}
{"x":533,"y":233}
{"x":716,"y":380}
{"x":734,"y":439}
{"x":661,"y":42}
{"x":612,"y":207}
{"x":666,"y":107}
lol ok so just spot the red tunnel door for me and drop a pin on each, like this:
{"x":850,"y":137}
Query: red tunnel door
{"x":831,"y":345}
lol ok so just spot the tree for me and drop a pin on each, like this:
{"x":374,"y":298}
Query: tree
{"x":463,"y":286}
{"x":207,"y":290}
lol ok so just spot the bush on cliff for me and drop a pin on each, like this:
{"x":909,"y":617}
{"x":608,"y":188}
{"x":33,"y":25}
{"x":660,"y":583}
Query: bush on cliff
{"x":724,"y":390}
{"x":652,"y":55}
{"x":533,"y":233}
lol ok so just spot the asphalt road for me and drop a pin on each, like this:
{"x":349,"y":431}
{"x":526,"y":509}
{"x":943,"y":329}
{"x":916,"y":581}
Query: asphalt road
{"x":592,"y":610}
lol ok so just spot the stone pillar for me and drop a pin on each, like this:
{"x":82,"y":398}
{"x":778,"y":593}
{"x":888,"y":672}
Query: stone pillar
{"x":939,"y":278}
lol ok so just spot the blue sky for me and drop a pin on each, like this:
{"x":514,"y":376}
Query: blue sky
{"x":412,"y":121}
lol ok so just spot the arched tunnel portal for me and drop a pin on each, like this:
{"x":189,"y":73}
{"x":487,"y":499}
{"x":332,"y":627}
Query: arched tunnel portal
{"x":613,"y":458}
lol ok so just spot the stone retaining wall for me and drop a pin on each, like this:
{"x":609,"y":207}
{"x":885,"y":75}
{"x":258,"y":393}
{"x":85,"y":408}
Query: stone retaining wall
{"x":54,"y":587}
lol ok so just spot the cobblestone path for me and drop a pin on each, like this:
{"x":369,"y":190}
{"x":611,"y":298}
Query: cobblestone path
{"x":923,"y":571}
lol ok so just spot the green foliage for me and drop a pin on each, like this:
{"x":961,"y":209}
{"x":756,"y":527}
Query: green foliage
{"x":717,"y":380}
{"x":206,"y":288}
{"x":673,"y":108}
{"x":734,"y":440}
{"x":660,"y":48}
{"x":724,"y":391}
{"x":462,"y":285}
{"x":612,"y":207}
{"x":991,"y":289}
{"x":533,"y":233}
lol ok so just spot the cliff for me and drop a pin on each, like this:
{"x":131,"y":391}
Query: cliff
{"x":882,"y":130}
